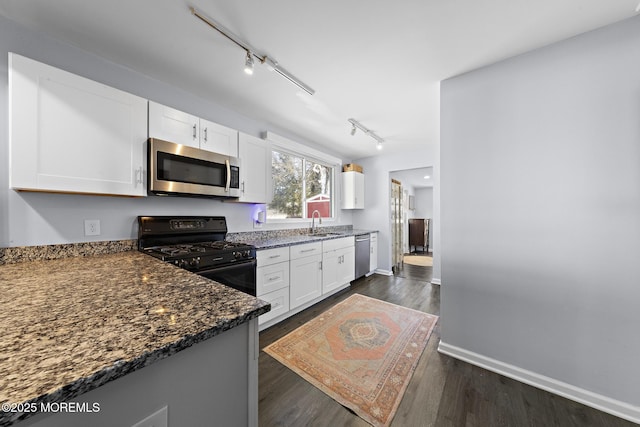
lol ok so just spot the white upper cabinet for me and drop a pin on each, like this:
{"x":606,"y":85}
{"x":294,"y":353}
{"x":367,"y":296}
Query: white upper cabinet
{"x":74,"y":135}
{"x":352,"y":190}
{"x":183,"y":128}
{"x":255,"y":169}
{"x":173,"y":125}
{"x":218,"y":138}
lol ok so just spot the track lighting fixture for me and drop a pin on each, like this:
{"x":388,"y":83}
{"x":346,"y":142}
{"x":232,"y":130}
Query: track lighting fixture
{"x":248,"y":63}
{"x":355,"y":124}
{"x":251,"y":53}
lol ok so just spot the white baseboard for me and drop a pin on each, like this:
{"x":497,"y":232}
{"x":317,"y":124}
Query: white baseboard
{"x":594,"y":400}
{"x":384,"y":272}
{"x":435,"y":281}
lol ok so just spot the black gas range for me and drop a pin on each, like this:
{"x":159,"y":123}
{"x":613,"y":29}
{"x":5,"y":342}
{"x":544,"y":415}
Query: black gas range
{"x":197,"y":244}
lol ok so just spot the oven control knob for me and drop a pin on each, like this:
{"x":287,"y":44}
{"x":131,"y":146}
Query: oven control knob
{"x":237,"y":255}
{"x":246,"y":254}
{"x":195,"y":262}
{"x":182,"y":263}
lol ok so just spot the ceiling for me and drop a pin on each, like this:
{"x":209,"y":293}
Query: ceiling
{"x":376,"y":61}
{"x":414,"y":178}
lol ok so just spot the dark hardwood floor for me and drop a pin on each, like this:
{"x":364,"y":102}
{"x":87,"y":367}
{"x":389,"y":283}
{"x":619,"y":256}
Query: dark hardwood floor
{"x":443,"y":392}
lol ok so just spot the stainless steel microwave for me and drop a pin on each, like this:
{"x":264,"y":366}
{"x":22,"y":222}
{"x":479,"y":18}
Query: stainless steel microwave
{"x":176,"y":169}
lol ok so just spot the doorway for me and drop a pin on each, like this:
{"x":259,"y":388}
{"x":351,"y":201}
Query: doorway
{"x":412,"y":203}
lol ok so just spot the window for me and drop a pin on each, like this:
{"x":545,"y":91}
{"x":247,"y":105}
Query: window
{"x":301,"y":185}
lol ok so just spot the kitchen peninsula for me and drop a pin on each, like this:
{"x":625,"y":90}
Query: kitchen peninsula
{"x":127,"y":332}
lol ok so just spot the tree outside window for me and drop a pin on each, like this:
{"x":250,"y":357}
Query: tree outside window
{"x":300,"y":186}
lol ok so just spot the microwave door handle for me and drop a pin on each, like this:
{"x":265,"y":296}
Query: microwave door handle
{"x":228,"y":185}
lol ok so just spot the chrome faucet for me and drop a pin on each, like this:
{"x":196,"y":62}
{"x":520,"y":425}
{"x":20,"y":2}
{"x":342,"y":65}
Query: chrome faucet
{"x":313,"y":219}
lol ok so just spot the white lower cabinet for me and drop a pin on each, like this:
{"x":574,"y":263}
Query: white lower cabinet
{"x":272,"y":281}
{"x":306,"y":273}
{"x":338,"y":263}
{"x":279,"y":301}
{"x":295,"y":277}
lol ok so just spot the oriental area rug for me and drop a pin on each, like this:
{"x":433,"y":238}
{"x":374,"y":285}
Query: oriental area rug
{"x":362,"y":352}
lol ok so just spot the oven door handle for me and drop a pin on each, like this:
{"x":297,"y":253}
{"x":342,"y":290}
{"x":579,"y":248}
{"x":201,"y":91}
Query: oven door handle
{"x":228,"y":184}
{"x":227,"y":267}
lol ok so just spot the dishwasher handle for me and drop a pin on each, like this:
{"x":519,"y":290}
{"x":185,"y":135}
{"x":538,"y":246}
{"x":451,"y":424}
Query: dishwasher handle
{"x":362,"y":238}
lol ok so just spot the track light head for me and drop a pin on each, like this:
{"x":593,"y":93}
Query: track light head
{"x":248,"y":63}
{"x":353,"y":129}
{"x":379,"y":145}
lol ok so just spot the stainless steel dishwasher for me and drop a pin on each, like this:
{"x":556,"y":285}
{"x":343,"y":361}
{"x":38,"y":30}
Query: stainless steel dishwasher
{"x":362,"y":254}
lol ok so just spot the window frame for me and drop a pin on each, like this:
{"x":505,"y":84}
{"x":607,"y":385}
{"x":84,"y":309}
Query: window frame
{"x":284,"y":145}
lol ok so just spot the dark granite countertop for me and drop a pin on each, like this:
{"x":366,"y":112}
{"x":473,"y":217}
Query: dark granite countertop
{"x":70,"y":325}
{"x":270,"y":242}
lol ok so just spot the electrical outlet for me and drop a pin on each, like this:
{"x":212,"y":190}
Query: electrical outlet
{"x":157,"y":419}
{"x":91,"y":227}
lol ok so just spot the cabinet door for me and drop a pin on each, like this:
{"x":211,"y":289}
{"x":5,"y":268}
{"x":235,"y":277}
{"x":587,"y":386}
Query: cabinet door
{"x":330,"y":262}
{"x":173,"y":125}
{"x":373,"y":252}
{"x":255,"y":169}
{"x":218,"y":138}
{"x":72,"y":134}
{"x":347,"y":265}
{"x":305,"y":280}
{"x":352,"y":190}
{"x":338,"y":268}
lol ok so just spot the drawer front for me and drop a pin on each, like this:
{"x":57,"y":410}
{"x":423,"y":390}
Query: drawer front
{"x":308,"y":249}
{"x":272,"y":256}
{"x":279,"y":301}
{"x":333,"y":244}
{"x":272,"y":277}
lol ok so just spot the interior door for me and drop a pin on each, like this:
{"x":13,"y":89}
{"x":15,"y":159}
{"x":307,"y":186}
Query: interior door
{"x":397,"y":221}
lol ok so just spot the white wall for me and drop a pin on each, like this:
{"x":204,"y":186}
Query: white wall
{"x":545,"y":284}
{"x":376,"y":214}
{"x":31,"y":218}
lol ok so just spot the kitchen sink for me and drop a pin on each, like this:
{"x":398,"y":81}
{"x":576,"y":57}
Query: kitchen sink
{"x":323,"y":234}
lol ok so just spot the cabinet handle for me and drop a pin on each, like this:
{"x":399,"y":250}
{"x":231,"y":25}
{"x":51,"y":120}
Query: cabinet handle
{"x":274,"y":256}
{"x":242,"y":186}
{"x":307,"y":250}
{"x":194,"y":131}
{"x":271,"y":279}
{"x":320,"y":265}
{"x":139,"y":176}
{"x":205,"y":134}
